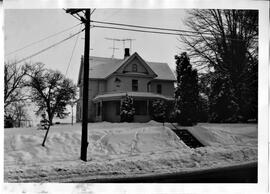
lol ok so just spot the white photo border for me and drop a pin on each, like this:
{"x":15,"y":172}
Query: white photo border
{"x":263,"y":121}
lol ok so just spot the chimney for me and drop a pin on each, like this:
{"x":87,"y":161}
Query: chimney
{"x":126,"y":53}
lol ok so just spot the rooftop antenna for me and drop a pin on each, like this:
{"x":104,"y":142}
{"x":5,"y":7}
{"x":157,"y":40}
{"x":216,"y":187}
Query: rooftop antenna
{"x":113,"y":47}
{"x":130,"y":42}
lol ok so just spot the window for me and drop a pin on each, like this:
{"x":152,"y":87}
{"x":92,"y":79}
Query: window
{"x":134,"y":85}
{"x":148,"y":86}
{"x":117,"y":107}
{"x":140,"y":107}
{"x":117,"y":82}
{"x":159,"y":89}
{"x":134,"y":68}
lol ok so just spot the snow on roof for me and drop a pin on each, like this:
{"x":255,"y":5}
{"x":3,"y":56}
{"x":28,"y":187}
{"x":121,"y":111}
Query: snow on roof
{"x":133,"y":94}
{"x":101,"y":67}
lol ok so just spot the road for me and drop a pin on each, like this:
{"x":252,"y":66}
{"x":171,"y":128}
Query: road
{"x":246,"y":173}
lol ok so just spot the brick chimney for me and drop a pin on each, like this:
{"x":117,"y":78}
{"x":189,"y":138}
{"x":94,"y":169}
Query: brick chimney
{"x":126,"y":53}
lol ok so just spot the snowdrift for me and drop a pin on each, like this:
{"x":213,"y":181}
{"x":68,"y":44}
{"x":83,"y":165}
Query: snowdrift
{"x":117,"y":149}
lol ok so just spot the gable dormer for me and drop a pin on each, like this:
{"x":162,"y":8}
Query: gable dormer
{"x":135,"y":65}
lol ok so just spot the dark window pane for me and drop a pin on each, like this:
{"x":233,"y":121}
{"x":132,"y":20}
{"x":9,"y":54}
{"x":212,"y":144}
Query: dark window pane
{"x":140,"y":107}
{"x":159,"y":89}
{"x":134,"y":68}
{"x":134,"y":85}
{"x":117,"y":107}
{"x":148,"y":86}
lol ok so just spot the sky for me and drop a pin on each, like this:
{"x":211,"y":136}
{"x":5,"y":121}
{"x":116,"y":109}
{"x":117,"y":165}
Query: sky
{"x":24,"y":26}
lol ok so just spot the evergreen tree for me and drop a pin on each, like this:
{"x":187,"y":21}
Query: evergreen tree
{"x":223,"y":106}
{"x":187,"y":92}
{"x":159,"y":110}
{"x":127,"y":110}
{"x":203,"y":108}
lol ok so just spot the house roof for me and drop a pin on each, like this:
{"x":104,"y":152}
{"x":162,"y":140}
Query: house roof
{"x":101,"y":68}
{"x":119,"y":95}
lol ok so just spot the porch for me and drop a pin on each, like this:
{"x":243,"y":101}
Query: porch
{"x":107,"y":106}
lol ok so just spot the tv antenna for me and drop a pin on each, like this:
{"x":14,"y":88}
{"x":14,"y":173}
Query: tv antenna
{"x":130,"y":42}
{"x":124,"y":40}
{"x":113,"y":47}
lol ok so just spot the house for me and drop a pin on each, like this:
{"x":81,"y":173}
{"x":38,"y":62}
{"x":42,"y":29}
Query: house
{"x":111,"y":79}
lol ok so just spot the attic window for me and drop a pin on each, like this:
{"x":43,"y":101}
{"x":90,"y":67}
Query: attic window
{"x":117,"y":81}
{"x":134,"y":68}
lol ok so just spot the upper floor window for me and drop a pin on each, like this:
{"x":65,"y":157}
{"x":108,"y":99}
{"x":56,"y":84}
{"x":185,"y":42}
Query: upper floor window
{"x":148,"y":86}
{"x":159,"y":89}
{"x":117,"y":82}
{"x":134,"y":67}
{"x":134,"y":85}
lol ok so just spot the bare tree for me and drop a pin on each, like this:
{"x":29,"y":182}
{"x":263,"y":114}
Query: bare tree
{"x":225,"y":40}
{"x":50,"y":91}
{"x":18,"y":113}
{"x":14,"y":79}
{"x":226,"y":44}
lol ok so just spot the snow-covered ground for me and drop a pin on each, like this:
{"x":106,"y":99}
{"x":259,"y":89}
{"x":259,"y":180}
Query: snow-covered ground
{"x":122,"y":149}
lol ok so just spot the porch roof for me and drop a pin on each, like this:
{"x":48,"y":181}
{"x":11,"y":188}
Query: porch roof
{"x":136,"y":95}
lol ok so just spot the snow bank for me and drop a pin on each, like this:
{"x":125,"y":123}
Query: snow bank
{"x":117,"y":149}
{"x":221,"y":134}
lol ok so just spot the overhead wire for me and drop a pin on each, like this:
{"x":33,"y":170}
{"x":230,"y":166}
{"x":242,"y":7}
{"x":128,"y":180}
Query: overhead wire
{"x":43,"y":39}
{"x":93,"y":11}
{"x":147,"y":27}
{"x":47,"y":48}
{"x":136,"y":30}
{"x":72,"y":52}
{"x":151,"y":30}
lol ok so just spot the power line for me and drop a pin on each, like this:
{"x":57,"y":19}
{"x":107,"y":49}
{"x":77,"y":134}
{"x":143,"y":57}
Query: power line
{"x":47,"y":48}
{"x":73,"y":51}
{"x":38,"y":41}
{"x":148,"y":31}
{"x":148,"y":27}
{"x":159,"y":32}
{"x":93,"y":11}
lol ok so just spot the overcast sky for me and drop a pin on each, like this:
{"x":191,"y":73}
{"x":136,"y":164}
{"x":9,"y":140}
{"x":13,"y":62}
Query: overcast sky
{"x":26,"y":26}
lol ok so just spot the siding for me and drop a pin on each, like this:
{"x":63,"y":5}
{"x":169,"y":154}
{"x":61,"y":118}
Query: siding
{"x":140,"y":67}
{"x":167,"y":87}
{"x":95,"y":87}
{"x":126,"y":83}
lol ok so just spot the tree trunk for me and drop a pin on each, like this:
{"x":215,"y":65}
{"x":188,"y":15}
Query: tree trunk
{"x":50,"y":117}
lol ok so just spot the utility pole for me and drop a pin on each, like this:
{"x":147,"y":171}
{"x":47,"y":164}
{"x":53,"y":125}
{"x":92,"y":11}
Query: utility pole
{"x":86,"y":21}
{"x":84,"y":142}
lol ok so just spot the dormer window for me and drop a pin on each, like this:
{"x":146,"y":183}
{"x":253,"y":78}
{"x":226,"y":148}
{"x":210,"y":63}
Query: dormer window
{"x":134,"y":68}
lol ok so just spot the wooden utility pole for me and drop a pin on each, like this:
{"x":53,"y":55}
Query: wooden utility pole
{"x":86,"y":21}
{"x":84,"y":142}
